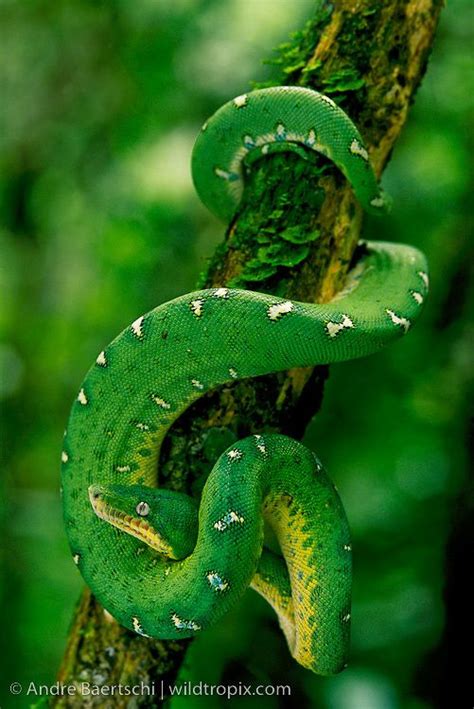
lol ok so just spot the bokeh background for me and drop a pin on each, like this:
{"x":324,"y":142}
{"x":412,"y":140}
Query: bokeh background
{"x":100,"y":223}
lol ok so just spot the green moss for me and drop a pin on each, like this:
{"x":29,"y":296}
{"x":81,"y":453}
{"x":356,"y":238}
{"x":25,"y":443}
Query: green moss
{"x":294,"y":67}
{"x":279,"y":206}
{"x":254,"y":271}
{"x":311,"y":70}
{"x":296,"y":235}
{"x":292,"y":57}
{"x":357,"y":36}
{"x":281,"y":254}
{"x":343,"y":80}
{"x":276,"y":223}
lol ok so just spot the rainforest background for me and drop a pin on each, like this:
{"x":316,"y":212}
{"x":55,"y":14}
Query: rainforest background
{"x":100,"y":223}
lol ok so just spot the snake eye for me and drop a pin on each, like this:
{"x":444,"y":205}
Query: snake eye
{"x":143,"y":509}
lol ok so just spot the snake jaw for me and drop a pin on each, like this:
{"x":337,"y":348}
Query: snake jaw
{"x":137,"y":527}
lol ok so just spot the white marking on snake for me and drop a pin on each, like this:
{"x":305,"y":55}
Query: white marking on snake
{"x":64,"y":457}
{"x":334,"y":328}
{"x":137,"y":327}
{"x":417,"y":296}
{"x":327,"y":99}
{"x":197,"y":384}
{"x":260,"y":444}
{"x":226,"y":175}
{"x":160,"y":402}
{"x":281,"y":131}
{"x":241,"y":101}
{"x":377,"y":202}
{"x":228,"y":519}
{"x":346,"y":618}
{"x":221,"y":293}
{"x":138,"y":628}
{"x":347,"y":547}
{"x":101,"y":359}
{"x":217,"y":582}
{"x":424,"y":277}
{"x":233,"y":373}
{"x":76,"y":558}
{"x":142,"y":426}
{"x":184,"y":624}
{"x":82,"y":398}
{"x":398,"y":320}
{"x":234,"y":454}
{"x":122,"y":468}
{"x":277,"y":310}
{"x":196,"y":307}
{"x":357,"y":148}
{"x":323,"y":149}
{"x":248,"y":142}
{"x":311,"y":139}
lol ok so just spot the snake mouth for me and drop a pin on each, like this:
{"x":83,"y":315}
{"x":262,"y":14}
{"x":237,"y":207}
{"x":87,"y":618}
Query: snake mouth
{"x":136,"y":526}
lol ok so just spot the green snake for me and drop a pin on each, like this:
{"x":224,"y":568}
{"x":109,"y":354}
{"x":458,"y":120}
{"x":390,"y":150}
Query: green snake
{"x":161,"y":563}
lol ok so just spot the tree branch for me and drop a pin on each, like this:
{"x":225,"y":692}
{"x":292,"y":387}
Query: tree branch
{"x":290,"y":238}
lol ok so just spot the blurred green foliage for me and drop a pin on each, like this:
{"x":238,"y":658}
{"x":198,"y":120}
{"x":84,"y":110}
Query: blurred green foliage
{"x":100,"y":223}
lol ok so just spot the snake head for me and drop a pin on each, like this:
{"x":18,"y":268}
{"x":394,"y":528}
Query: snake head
{"x":165,"y":520}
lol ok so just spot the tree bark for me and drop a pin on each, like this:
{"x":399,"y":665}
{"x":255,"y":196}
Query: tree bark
{"x":292,"y":239}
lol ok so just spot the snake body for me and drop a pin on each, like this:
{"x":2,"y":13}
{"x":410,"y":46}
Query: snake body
{"x":161,"y":564}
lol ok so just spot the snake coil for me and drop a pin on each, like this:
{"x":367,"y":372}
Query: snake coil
{"x":159,"y":562}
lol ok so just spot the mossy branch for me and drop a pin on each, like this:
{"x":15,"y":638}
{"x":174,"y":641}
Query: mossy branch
{"x":290,"y":238}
